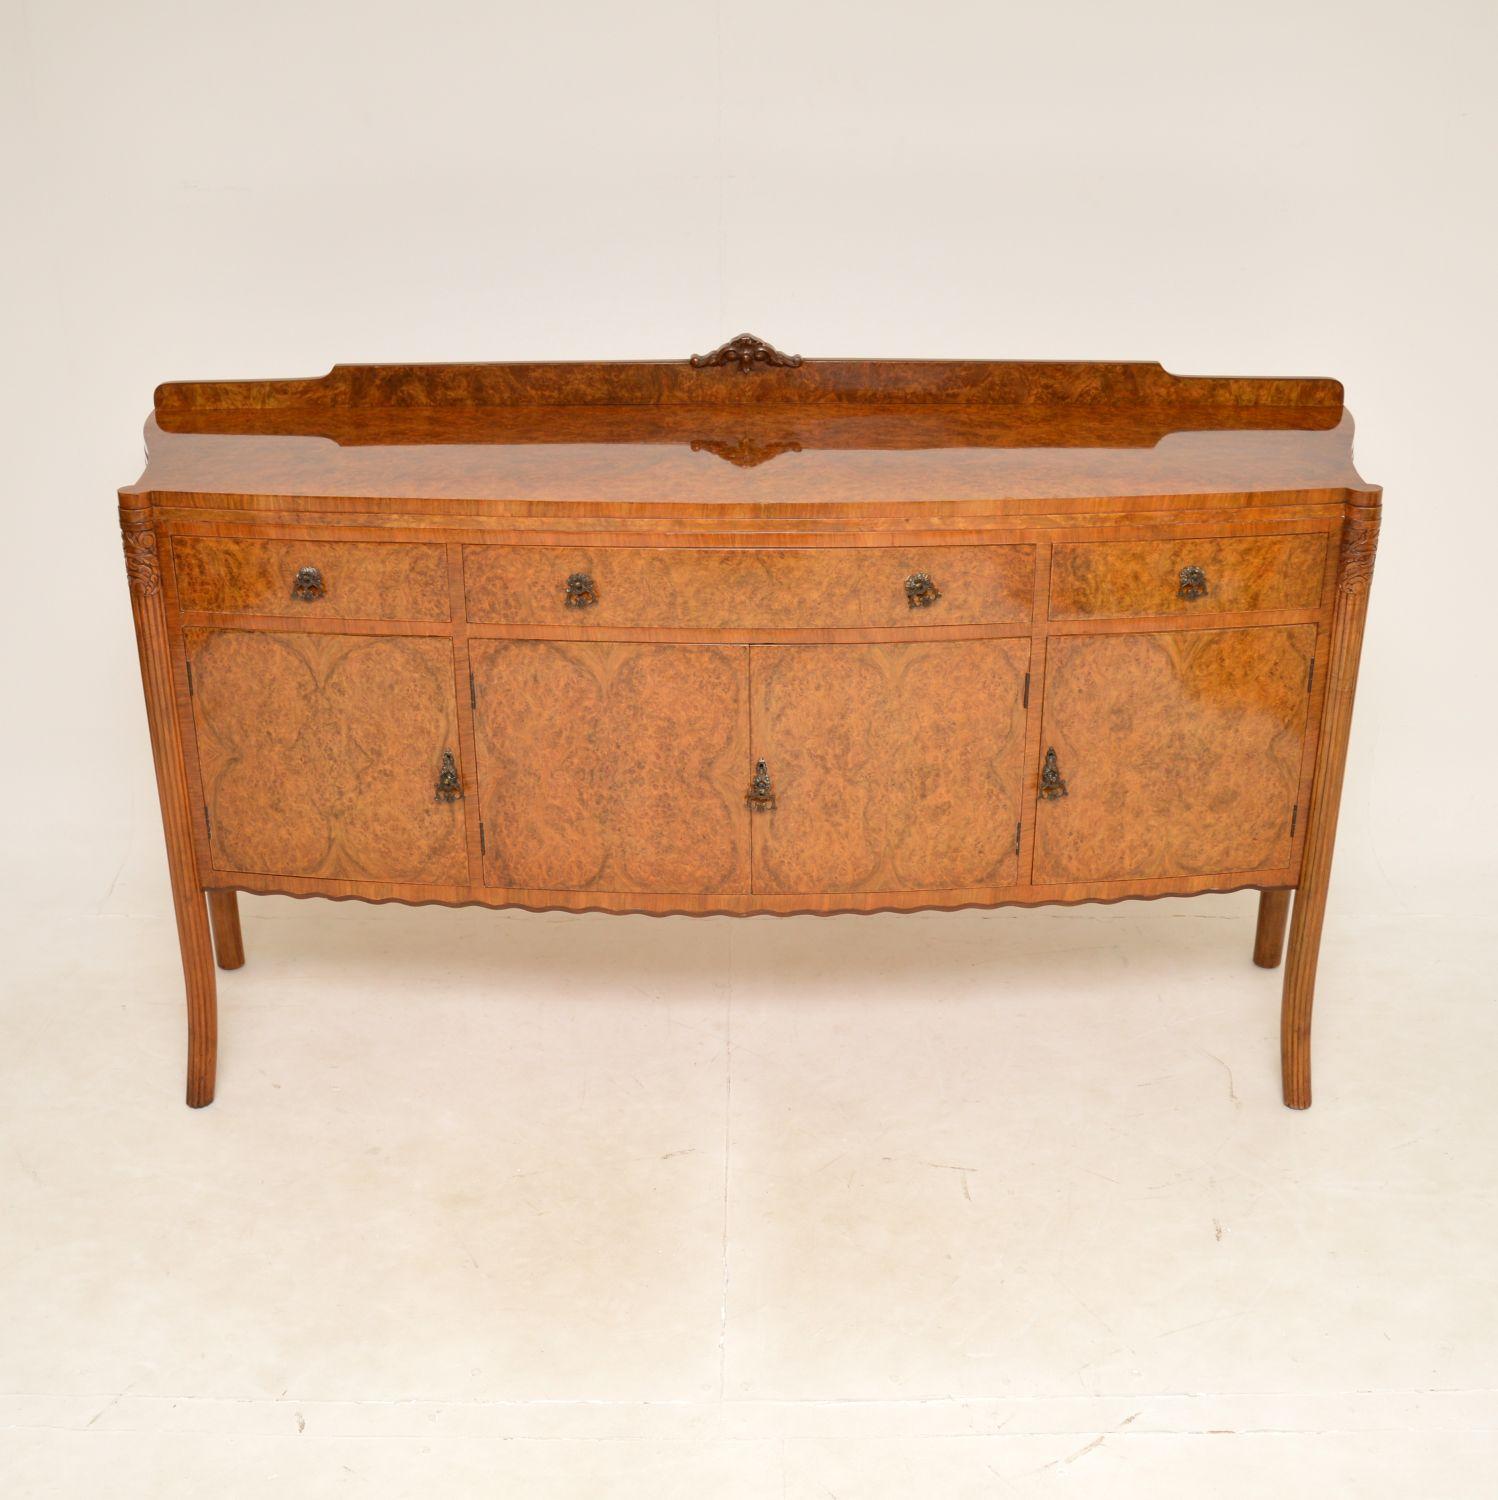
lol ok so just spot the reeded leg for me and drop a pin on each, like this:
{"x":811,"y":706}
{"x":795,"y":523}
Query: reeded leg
{"x":1269,"y":937}
{"x":143,"y":568}
{"x":228,"y":942}
{"x":202,"y":996}
{"x":1300,"y":991}
{"x":1344,"y":644}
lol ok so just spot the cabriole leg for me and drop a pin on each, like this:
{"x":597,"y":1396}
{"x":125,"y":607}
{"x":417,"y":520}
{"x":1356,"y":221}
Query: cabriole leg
{"x":1355,"y":574}
{"x":1269,"y":936}
{"x":228,"y":941}
{"x":143,"y":568}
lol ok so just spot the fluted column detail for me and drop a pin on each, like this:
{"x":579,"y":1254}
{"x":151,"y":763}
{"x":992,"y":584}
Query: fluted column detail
{"x":143,"y":568}
{"x":1354,"y":578}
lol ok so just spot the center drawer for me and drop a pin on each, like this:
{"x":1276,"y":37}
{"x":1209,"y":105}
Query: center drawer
{"x":787,"y":588}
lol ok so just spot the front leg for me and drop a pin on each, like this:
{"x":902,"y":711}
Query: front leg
{"x":151,"y":638}
{"x":1355,"y":574}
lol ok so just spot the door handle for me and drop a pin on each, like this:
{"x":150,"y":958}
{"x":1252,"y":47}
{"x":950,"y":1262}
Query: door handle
{"x":1052,"y":784}
{"x":449,"y":783}
{"x":761,"y":793}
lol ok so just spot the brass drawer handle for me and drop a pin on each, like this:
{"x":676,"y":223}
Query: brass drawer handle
{"x":308,"y":585}
{"x":449,"y":783}
{"x":920,"y":591}
{"x":1193,"y":583}
{"x":581,"y":591}
{"x":761,"y":793}
{"x":1052,"y":785}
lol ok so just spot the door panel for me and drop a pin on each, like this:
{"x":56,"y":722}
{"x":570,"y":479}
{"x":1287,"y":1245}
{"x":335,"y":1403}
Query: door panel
{"x":895,"y":767}
{"x":320,"y":754}
{"x":613,"y":766}
{"x":1180,"y":750}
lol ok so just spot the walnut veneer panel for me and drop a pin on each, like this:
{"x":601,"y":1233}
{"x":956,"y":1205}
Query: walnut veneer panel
{"x":320,"y":754}
{"x":807,"y":433}
{"x":613,"y":766}
{"x":360,"y":580}
{"x":1181,"y":752}
{"x":895,"y":767}
{"x":1103,"y":580}
{"x":809,"y":588}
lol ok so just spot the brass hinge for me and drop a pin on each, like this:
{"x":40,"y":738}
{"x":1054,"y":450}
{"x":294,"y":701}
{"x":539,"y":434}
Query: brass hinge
{"x":1294,"y":818}
{"x":1016,"y":838}
{"x":189,"y":679}
{"x":1026,"y":703}
{"x":1310,"y":674}
{"x":482,"y":849}
{"x":473,"y":693}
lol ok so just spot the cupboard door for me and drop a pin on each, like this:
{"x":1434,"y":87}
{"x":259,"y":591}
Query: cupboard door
{"x":894,"y":767}
{"x":321,"y":754}
{"x":1180,"y":752}
{"x":613,"y":766}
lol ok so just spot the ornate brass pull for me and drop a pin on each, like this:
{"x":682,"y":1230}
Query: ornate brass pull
{"x":308,"y":585}
{"x":920,"y":591}
{"x":1193,"y":583}
{"x":581,"y":591}
{"x":449,"y":783}
{"x":1051,"y":783}
{"x":761,"y":793}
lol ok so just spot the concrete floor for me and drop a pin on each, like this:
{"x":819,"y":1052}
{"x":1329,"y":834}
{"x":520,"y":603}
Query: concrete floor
{"x":988,"y":1204}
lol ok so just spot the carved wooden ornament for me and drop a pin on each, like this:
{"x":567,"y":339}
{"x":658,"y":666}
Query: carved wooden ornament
{"x":142,"y":566}
{"x":746,"y":352}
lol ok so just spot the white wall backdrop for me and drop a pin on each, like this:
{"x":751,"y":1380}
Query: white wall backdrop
{"x":206,"y":190}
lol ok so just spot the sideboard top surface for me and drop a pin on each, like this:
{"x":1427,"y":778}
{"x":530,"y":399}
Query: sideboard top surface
{"x":744,"y":426}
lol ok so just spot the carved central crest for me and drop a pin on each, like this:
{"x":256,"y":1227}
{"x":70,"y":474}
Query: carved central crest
{"x":746,"y":352}
{"x":746,"y":453}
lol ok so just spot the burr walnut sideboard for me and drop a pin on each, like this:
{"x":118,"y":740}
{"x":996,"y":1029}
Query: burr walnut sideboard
{"x":749,"y":633}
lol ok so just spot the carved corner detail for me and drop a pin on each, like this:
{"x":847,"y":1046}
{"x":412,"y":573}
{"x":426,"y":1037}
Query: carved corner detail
{"x":142,"y":565}
{"x":746,"y":352}
{"x":1359,"y":543}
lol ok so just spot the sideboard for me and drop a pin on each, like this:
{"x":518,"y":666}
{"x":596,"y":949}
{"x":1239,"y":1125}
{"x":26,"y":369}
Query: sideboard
{"x":747,"y":633}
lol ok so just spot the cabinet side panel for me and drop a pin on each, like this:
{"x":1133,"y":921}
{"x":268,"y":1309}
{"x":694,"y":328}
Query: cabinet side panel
{"x":613,"y":766}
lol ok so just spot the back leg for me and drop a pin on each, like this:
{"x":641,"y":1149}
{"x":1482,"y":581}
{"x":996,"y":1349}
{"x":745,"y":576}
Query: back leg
{"x":228,"y":942}
{"x":1269,"y":938}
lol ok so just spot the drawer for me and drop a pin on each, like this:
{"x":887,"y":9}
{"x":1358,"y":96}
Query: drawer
{"x":1105,"y":580}
{"x":343,"y":580}
{"x":743,"y":589}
